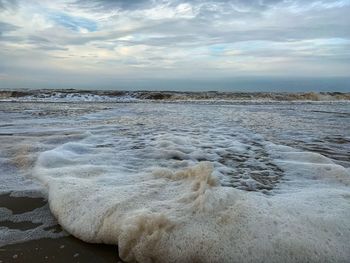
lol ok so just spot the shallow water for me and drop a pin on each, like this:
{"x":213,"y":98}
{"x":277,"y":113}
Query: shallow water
{"x":185,"y":182}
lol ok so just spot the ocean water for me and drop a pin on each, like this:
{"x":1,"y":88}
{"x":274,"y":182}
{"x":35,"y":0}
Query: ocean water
{"x":184,"y":182}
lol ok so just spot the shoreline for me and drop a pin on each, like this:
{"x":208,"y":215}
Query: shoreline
{"x":61,"y":249}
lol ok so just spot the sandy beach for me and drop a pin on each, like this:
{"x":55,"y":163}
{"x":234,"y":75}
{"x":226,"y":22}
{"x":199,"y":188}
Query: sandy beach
{"x":63,"y":249}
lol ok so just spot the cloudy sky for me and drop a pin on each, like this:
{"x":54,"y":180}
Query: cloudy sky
{"x":175,"y":44}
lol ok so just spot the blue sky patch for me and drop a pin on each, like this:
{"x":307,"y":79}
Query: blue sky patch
{"x":73,"y":22}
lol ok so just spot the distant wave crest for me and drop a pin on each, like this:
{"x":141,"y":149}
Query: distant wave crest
{"x":72,"y":95}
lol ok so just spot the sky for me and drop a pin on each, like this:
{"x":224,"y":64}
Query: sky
{"x":238,"y":45}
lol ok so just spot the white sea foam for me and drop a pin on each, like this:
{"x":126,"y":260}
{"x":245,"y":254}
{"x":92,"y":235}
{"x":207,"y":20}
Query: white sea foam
{"x":188,"y":216}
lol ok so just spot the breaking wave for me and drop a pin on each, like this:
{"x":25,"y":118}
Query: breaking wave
{"x":71,"y":95}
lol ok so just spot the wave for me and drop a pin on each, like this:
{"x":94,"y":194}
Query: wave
{"x":72,"y":95}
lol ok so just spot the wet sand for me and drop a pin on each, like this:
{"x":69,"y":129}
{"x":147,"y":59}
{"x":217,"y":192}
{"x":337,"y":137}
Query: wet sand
{"x":63,"y":249}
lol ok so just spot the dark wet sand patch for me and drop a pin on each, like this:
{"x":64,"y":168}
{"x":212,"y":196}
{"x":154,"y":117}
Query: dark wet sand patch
{"x":63,"y":249}
{"x":19,"y":205}
{"x":19,"y":225}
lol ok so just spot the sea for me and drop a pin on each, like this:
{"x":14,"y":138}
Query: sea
{"x":181,"y":177}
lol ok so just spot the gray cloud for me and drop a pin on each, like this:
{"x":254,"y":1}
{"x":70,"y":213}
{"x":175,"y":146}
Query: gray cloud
{"x":6,"y":27}
{"x":103,"y":5}
{"x":8,"y":4}
{"x":176,"y":38}
{"x":244,"y":5}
